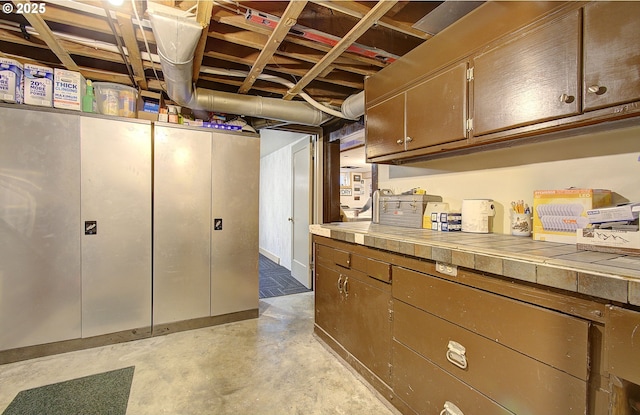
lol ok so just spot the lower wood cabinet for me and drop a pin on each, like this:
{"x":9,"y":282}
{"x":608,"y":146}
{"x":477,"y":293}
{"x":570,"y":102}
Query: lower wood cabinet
{"x":473,"y":343}
{"x":354,"y":309}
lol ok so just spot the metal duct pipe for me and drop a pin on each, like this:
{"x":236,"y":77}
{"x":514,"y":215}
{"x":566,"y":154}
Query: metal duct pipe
{"x":177,"y":34}
{"x":353,"y":106}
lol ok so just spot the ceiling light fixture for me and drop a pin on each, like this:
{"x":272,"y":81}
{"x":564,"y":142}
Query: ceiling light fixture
{"x":116,"y":2}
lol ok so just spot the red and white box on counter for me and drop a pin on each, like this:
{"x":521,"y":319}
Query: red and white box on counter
{"x":615,"y":241}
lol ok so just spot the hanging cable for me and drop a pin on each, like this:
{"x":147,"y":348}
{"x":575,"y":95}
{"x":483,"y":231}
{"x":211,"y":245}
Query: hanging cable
{"x":120,"y":48}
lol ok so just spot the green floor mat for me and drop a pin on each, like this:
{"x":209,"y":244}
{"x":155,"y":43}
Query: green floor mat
{"x":101,"y":394}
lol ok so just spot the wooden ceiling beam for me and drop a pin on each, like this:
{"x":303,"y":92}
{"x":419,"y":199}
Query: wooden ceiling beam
{"x":290,"y":50}
{"x":362,"y":26}
{"x":129,"y":37}
{"x":203,"y":16}
{"x":336,"y":77}
{"x":38,"y":23}
{"x":288,"y":20}
{"x":354,"y":9}
{"x":93,"y":23}
{"x":232,"y":19}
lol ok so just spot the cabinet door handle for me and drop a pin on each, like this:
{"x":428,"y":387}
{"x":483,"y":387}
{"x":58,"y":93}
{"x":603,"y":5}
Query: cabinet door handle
{"x":409,"y":139}
{"x":346,"y":286}
{"x":450,"y":409}
{"x":567,"y":99}
{"x":400,"y":141}
{"x":340,"y":283}
{"x":456,"y":354}
{"x":597,"y":89}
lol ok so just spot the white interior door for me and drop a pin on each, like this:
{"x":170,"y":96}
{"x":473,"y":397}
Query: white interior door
{"x":301,"y":174}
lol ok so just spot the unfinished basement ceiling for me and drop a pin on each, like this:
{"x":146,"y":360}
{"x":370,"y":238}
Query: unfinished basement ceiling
{"x":323,"y":48}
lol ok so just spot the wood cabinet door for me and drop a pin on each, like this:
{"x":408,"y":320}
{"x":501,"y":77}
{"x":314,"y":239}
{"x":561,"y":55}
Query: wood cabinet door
{"x":530,"y":79}
{"x":611,"y":54}
{"x":328,"y":301}
{"x":367,"y":325}
{"x":385,"y":127}
{"x":622,"y":343}
{"x":436,"y":110}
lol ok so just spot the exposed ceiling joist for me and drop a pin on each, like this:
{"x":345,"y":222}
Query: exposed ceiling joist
{"x":287,"y":20}
{"x":203,"y":16}
{"x":358,"y":11}
{"x":129,"y":36}
{"x":38,"y":23}
{"x":362,"y":26}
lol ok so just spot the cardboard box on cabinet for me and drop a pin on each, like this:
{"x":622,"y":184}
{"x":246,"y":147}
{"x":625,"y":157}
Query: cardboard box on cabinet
{"x":149,"y":104}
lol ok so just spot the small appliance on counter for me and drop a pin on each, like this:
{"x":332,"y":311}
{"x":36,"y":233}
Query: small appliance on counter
{"x":400,"y":210}
{"x":477,"y":215}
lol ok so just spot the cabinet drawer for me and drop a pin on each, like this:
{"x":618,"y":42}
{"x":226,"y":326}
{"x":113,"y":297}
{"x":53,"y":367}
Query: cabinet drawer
{"x":622,"y":343}
{"x":519,"y":383}
{"x":551,"y":337}
{"x":336,"y":256}
{"x":425,"y":387}
{"x":372,"y":267}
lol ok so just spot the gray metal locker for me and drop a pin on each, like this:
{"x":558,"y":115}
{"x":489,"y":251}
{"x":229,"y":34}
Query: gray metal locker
{"x":116,"y":220}
{"x":39,"y":227}
{"x":182,"y":223}
{"x":235,"y":172}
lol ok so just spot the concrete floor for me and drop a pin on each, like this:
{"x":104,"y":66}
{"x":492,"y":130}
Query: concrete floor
{"x":267,"y":366}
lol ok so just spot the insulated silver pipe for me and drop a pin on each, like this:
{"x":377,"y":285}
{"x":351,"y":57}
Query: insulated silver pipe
{"x":177,"y":36}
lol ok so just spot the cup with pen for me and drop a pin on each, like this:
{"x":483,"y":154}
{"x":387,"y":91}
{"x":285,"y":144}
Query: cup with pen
{"x":520,"y":219}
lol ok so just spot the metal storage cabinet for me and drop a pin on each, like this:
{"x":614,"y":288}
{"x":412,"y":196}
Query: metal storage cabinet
{"x":116,"y":194}
{"x":205,"y":223}
{"x":39,"y":227}
{"x":182,"y":224}
{"x":235,"y":172}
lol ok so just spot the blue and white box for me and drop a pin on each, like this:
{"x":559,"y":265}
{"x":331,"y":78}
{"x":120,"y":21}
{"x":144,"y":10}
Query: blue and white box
{"x":68,"y":89}
{"x":11,"y":83}
{"x":38,"y":85}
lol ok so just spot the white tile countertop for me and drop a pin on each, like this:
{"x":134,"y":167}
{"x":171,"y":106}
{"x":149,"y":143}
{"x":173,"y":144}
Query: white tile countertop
{"x":598,"y":274}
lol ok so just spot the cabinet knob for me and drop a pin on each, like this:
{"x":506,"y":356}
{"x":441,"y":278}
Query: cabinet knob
{"x":409,"y":139}
{"x":567,"y":99}
{"x":400,"y":142}
{"x":290,"y":219}
{"x":597,"y":89}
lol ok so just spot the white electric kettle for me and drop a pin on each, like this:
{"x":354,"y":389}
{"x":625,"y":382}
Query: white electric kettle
{"x":477,"y":215}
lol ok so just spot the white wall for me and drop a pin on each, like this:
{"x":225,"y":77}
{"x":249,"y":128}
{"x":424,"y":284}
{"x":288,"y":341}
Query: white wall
{"x":276,"y":198}
{"x":605,"y":160}
{"x":351,"y":200}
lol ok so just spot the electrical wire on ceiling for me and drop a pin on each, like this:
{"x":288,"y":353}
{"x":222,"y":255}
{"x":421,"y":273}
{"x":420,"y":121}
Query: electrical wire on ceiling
{"x":120,"y":47}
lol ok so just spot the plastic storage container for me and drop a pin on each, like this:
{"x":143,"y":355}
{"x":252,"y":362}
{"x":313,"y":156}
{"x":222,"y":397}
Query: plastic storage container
{"x":115,"y":99}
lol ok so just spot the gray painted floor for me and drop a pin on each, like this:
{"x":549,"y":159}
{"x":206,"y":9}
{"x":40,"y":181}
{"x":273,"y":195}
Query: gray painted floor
{"x":267,"y":366}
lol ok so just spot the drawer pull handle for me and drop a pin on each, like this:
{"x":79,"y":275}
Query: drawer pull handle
{"x":456,"y":354}
{"x":450,"y":409}
{"x":346,"y":286}
{"x":340,"y":283}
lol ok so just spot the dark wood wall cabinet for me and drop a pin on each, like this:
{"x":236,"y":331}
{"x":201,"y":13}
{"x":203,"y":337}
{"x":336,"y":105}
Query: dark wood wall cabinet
{"x":529,"y":70}
{"x":473,"y":343}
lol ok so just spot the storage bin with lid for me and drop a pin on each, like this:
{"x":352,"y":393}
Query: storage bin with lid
{"x":115,"y":99}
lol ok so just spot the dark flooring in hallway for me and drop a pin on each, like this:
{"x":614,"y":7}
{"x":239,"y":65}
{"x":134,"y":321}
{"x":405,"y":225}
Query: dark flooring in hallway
{"x":276,"y":280}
